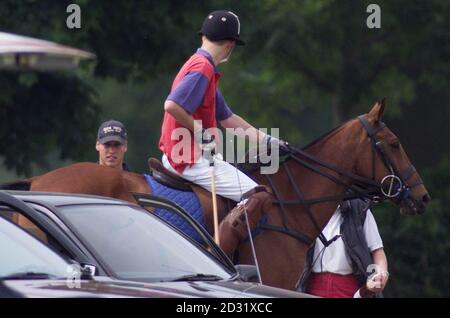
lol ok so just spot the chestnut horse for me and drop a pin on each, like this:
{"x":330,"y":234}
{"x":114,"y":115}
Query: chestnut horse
{"x":360,"y":158}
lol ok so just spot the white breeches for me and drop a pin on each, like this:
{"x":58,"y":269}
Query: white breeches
{"x":231,"y":183}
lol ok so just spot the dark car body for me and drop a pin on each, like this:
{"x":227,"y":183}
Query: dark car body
{"x":29,"y":268}
{"x":102,"y":235}
{"x":107,"y":288}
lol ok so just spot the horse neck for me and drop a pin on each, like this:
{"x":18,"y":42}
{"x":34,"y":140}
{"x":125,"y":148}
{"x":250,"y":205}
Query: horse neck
{"x":340,"y":148}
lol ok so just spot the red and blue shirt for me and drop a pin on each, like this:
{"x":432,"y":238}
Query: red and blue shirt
{"x":195,"y":88}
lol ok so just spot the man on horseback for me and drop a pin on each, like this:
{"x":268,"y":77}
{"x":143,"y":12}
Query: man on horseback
{"x":112,"y":144}
{"x":195,"y":103}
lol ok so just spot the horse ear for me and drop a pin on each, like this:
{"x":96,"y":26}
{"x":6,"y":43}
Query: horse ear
{"x":377,"y":110}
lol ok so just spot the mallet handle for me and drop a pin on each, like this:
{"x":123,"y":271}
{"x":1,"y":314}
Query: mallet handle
{"x":214,"y":202}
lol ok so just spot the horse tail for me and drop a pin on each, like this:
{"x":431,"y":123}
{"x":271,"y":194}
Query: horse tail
{"x":23,"y":185}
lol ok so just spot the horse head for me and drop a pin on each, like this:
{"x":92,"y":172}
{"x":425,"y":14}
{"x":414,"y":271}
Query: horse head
{"x":382,"y":158}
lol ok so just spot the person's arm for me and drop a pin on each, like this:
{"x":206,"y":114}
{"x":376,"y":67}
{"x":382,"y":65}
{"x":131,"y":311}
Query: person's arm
{"x":181,"y":115}
{"x":378,"y":280}
{"x":379,"y":258}
{"x":227,"y":119}
{"x":235,"y":121}
{"x":183,"y":101}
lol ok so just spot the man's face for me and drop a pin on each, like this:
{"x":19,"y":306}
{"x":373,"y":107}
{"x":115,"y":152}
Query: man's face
{"x":111,"y":154}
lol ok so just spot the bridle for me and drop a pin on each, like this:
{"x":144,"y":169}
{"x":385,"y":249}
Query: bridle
{"x":393,"y":186}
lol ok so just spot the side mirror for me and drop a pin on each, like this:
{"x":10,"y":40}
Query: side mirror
{"x":247,"y":273}
{"x":81,"y":270}
{"x":87,"y":271}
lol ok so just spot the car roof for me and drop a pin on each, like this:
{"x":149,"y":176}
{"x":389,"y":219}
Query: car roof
{"x":61,"y":199}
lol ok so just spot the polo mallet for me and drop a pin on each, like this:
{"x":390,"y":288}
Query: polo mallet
{"x":211,"y":155}
{"x":214,"y":199}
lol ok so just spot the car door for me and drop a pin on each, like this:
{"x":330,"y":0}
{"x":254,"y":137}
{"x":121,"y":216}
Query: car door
{"x":152,"y":201}
{"x":248,"y":273}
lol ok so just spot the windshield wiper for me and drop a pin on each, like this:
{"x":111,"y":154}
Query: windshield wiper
{"x":197,"y":277}
{"x":28,"y":275}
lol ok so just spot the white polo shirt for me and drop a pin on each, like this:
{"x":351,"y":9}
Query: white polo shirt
{"x":335,"y":259}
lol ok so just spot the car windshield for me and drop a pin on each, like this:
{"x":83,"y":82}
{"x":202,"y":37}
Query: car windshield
{"x":136,"y":245}
{"x":23,"y":256}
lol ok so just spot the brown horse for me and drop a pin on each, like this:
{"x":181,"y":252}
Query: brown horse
{"x":360,"y":158}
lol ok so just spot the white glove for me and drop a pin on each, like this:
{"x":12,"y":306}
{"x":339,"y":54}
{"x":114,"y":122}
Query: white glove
{"x":271,"y":141}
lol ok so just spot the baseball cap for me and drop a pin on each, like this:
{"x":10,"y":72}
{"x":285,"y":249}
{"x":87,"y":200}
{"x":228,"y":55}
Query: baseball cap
{"x":112,"y":130}
{"x":222,"y":25}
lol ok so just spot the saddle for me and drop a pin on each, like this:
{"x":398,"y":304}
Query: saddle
{"x":168,"y":178}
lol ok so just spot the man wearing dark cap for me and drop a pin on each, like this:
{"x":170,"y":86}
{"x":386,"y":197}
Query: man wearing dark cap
{"x":112,"y":144}
{"x":195,"y":104}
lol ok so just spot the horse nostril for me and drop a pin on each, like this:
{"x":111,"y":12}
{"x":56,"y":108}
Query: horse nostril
{"x":426,"y":198}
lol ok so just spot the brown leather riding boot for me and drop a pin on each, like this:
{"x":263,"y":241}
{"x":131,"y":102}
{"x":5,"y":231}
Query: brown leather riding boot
{"x":233,"y":229}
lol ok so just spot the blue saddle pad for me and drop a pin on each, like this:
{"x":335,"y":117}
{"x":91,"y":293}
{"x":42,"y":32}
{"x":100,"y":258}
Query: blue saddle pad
{"x":186,"y":199}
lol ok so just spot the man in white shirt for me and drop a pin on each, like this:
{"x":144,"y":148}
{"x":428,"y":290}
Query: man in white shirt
{"x":355,"y":259}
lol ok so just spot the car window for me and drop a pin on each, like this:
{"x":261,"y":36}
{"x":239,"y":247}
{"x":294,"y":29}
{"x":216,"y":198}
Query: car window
{"x":25,"y":223}
{"x":31,"y":227}
{"x":137,"y":245}
{"x":22,"y":253}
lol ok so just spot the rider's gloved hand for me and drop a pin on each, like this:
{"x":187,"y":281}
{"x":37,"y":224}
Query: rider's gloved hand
{"x":271,"y":141}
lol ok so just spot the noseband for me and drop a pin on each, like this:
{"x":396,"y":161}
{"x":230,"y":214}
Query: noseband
{"x":393,"y":186}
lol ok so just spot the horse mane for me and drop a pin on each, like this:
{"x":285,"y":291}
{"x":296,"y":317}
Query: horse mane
{"x":248,"y":168}
{"x":326,"y":135}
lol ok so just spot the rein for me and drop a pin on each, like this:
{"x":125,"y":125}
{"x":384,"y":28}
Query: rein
{"x":361,"y":187}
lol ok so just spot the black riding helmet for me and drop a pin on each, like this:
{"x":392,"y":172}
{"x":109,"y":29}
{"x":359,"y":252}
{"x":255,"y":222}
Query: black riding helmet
{"x":222,"y":25}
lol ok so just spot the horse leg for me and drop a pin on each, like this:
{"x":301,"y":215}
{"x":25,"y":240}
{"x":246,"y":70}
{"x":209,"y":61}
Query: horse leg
{"x":280,"y":257}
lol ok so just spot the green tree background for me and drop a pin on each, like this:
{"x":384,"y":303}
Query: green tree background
{"x":307,"y":66}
